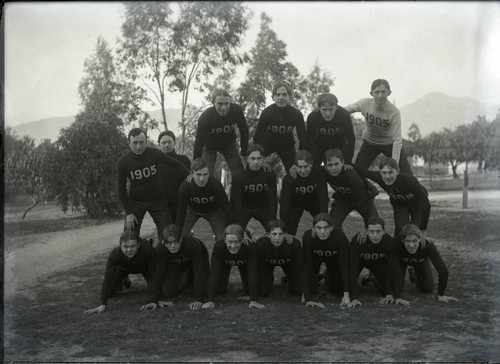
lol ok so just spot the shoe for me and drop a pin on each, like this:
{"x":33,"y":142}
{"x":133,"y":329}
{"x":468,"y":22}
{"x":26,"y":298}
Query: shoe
{"x":412,"y":275}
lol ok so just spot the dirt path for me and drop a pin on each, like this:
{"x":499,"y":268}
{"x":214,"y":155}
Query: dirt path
{"x":52,"y":252}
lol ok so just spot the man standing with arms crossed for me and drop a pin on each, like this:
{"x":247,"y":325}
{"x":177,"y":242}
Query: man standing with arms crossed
{"x":139,"y":166}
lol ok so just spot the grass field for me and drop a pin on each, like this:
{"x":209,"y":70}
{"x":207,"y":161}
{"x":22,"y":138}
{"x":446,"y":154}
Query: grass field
{"x":46,"y":323}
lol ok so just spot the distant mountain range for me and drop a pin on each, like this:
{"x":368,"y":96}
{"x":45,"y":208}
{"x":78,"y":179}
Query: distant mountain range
{"x":433,"y":112}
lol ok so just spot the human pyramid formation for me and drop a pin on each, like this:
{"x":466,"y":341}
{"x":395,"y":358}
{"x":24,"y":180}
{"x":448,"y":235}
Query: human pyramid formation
{"x":159,"y":182}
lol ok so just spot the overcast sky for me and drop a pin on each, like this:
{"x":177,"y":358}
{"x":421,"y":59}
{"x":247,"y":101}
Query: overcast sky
{"x":449,"y":47}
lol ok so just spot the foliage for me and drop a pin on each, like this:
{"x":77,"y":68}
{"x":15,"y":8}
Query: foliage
{"x":87,"y":154}
{"x":27,"y":168}
{"x":311,"y":86}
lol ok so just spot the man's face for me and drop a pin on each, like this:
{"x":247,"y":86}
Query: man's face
{"x":411,"y":243}
{"x":233,"y":243}
{"x":334,"y":166}
{"x":138,"y":143}
{"x":323,"y":230}
{"x":255,"y":161}
{"x":380,"y":94}
{"x":277,"y":236}
{"x":201,"y":177}
{"x":303,"y":168}
{"x":173,"y":244}
{"x":328,"y":111}
{"x":375,"y":233}
{"x":167,"y":144}
{"x":281,"y":97}
{"x":388,"y":175}
{"x":129,"y":248}
{"x":221,"y":104}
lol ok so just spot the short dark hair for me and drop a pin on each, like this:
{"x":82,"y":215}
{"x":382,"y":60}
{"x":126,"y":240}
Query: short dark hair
{"x":410,"y":229}
{"x":127,"y":235}
{"x":391,"y":162}
{"x":327,"y":99}
{"x":303,"y":155}
{"x":255,"y":148}
{"x":169,"y":133}
{"x":273,"y":224}
{"x":374,"y":220}
{"x":323,"y":216}
{"x":380,"y":82}
{"x":330,"y":153}
{"x":135,"y":132}
{"x":234,"y":229}
{"x":219,"y":92}
{"x":171,"y":231}
{"x":198,"y":163}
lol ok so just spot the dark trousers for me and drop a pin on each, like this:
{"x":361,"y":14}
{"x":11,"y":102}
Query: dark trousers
{"x":405,"y":215}
{"x":215,"y":218}
{"x":368,"y":152}
{"x":423,"y":272}
{"x":285,"y":152}
{"x":230,"y":154}
{"x":172,"y":208}
{"x":340,"y":210}
{"x":120,"y":274}
{"x":157,"y":209}
{"x":266,"y":279}
{"x":333,"y":278}
{"x":261,"y":214}
{"x":295,"y":213}
{"x":224,"y":279}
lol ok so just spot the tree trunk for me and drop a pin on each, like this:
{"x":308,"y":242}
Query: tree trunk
{"x":454,"y":170}
{"x":35,"y":202}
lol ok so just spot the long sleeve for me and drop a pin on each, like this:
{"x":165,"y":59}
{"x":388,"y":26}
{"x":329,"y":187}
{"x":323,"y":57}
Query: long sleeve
{"x":159,"y":274}
{"x":273,"y":196}
{"x":323,"y":193}
{"x":122,"y":186}
{"x":109,"y":276}
{"x":286,"y":198}
{"x":183,"y":201}
{"x":438,"y":263}
{"x":243,"y":127}
{"x":262,"y":126}
{"x":301,"y":131}
{"x":223,"y":202}
{"x":424,"y":206}
{"x":397,"y":143}
{"x":350,"y":140}
{"x":199,"y":140}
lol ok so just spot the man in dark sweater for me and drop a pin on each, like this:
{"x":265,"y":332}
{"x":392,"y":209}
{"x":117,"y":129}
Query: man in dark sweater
{"x":170,"y":178}
{"x":139,"y":167}
{"x":307,"y":191}
{"x":180,"y":261}
{"x":330,"y":127}
{"x":203,"y":197}
{"x":254,"y":191}
{"x":133,"y":256}
{"x":378,"y":255}
{"x":216,"y":132}
{"x":276,"y":125}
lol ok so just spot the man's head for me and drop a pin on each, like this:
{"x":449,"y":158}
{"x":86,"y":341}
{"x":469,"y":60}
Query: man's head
{"x":282,"y":94}
{"x":323,"y":225}
{"x":171,"y":235}
{"x":276,"y":230}
{"x":380,"y":90}
{"x":166,"y":140}
{"x":129,"y":243}
{"x":255,"y":157}
{"x":200,"y":171}
{"x":334,"y":161}
{"x":389,"y":170}
{"x":375,"y":227}
{"x":221,"y":101}
{"x":410,"y":236}
{"x":233,"y":237}
{"x":137,"y":140}
{"x":304,"y":163}
{"x":327,"y":105}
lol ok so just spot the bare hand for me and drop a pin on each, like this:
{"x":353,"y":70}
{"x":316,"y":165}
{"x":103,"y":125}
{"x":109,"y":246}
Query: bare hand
{"x":98,"y":309}
{"x":423,"y":238}
{"x":255,"y":304}
{"x":289,"y":238}
{"x":400,"y":301}
{"x":195,"y":305}
{"x":387,"y":299}
{"x":446,"y":299}
{"x":189,"y":178}
{"x":130,"y":221}
{"x":347,"y":167}
{"x":314,"y":304}
{"x":165,"y":304}
{"x":354,"y":303}
{"x":345,"y":301}
{"x":293,"y":171}
{"x":266,"y":167}
{"x":209,"y":305}
{"x":362,"y":236}
{"x":149,"y":306}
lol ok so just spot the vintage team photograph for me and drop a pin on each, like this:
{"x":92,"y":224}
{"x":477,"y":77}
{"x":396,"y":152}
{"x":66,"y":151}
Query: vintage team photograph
{"x":271,"y":182}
